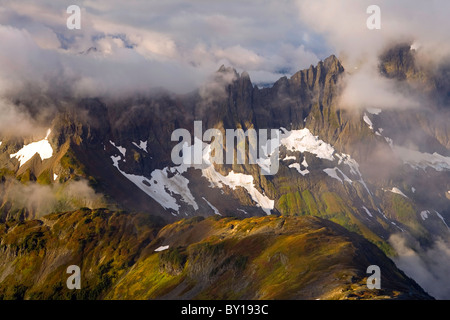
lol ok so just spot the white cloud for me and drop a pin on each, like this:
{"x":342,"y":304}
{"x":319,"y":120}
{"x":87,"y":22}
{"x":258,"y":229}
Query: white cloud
{"x":177,"y":44}
{"x":343,"y":23}
{"x":343,"y":26}
{"x":367,"y":89}
{"x":172,"y":42}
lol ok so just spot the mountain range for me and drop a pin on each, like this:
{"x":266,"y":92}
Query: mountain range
{"x":95,"y":186}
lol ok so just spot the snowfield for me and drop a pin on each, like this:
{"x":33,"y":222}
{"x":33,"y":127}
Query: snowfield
{"x":303,"y":141}
{"x":42,"y":147}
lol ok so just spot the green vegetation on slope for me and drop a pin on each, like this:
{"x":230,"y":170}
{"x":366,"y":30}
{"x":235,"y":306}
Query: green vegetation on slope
{"x":215,"y":258}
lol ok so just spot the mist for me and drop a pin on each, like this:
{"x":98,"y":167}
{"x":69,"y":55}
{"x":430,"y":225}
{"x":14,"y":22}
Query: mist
{"x":343,"y":25}
{"x":428,"y":266}
{"x":366,"y":88}
{"x":45,"y":199}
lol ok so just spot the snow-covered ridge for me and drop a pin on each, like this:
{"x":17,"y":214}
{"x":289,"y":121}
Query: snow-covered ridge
{"x":42,"y":147}
{"x":421,"y":160}
{"x":304,"y":141}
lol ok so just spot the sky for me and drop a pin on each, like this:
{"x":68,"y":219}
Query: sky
{"x":178,"y":44}
{"x":124,"y":47}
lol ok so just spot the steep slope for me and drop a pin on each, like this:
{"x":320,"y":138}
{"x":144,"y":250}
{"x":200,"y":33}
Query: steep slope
{"x":129,"y":256}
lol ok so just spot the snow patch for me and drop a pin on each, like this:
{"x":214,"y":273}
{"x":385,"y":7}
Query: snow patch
{"x":333,"y":173}
{"x":297,"y":167}
{"x":415,"y":46}
{"x":442,"y":218}
{"x":398,"y":191}
{"x":424,"y":214}
{"x":389,"y":141}
{"x":397,"y":226}
{"x":287,"y":158}
{"x":42,"y":147}
{"x":242,"y":210}
{"x":234,"y":180}
{"x":381,"y":212}
{"x":162,"y":248}
{"x":212,"y":207}
{"x":368,"y":121}
{"x":304,"y":163}
{"x":367,"y":211}
{"x":142,"y":145}
{"x":122,"y":150}
{"x":162,"y":188}
{"x":303,"y":141}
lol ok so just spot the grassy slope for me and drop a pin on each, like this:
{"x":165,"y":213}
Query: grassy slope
{"x":255,"y":258}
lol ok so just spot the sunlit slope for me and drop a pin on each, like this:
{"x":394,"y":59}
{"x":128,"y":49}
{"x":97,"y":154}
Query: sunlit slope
{"x":213,"y":258}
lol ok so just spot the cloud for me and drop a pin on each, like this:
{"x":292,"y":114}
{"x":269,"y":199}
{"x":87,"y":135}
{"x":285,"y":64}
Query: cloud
{"x":16,"y":120}
{"x":140,"y":45}
{"x":128,"y":48}
{"x":366,"y":88}
{"x":44,"y":199}
{"x":343,"y":26}
{"x":429,"y":267}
